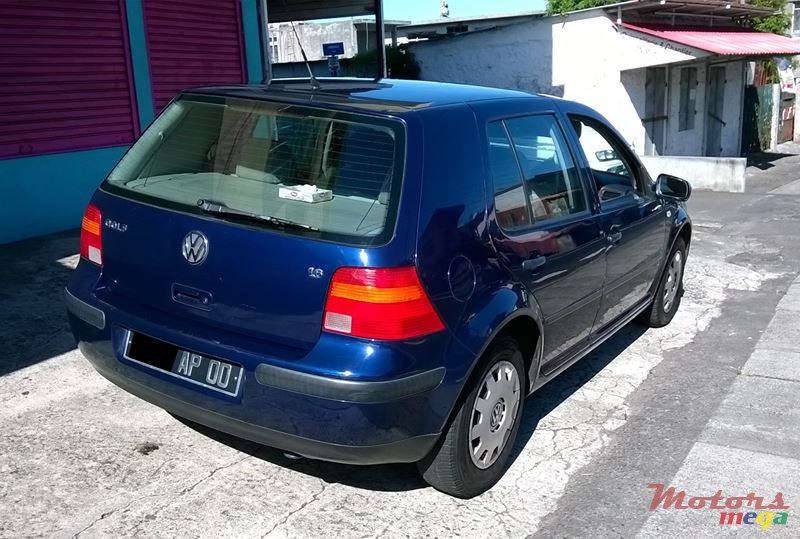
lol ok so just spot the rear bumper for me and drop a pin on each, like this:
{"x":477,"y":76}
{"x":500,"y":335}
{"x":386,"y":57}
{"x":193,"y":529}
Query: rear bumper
{"x":347,"y":390}
{"x":322,"y":417}
{"x":406,"y":450}
{"x":85,"y":312}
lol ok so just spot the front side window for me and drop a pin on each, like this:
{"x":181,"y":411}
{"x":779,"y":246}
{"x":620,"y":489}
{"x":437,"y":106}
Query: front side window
{"x":612,"y":169}
{"x":252,"y":156}
{"x":551,"y":179}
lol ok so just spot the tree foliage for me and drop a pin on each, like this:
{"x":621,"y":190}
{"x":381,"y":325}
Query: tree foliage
{"x":400,"y":63}
{"x":560,"y":7}
{"x":777,"y":23}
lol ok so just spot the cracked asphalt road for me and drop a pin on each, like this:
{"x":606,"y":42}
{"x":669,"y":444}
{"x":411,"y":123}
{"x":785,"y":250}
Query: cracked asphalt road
{"x":81,"y":458}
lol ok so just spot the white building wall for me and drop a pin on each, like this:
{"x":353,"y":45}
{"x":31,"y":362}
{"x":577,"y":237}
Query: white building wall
{"x":629,"y":116}
{"x":586,"y":58}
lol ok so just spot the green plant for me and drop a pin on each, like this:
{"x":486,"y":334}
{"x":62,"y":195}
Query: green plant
{"x":560,"y":7}
{"x":777,"y":23}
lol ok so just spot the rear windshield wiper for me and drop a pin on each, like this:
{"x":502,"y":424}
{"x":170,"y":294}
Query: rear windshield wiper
{"x":217,"y":208}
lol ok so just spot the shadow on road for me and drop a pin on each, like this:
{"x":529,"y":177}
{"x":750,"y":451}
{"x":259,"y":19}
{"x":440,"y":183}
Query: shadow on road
{"x":765,"y":160}
{"x":404,"y":477}
{"x":33,"y":320}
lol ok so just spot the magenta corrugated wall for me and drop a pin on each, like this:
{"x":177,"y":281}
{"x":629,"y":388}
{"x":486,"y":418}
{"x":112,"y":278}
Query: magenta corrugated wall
{"x":65,"y":77}
{"x":193,"y":43}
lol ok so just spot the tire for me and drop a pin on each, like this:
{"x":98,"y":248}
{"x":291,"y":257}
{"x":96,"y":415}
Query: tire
{"x":670,"y":289}
{"x":454,"y":466}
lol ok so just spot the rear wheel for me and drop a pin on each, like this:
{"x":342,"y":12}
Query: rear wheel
{"x":474,"y":452}
{"x":670,"y":289}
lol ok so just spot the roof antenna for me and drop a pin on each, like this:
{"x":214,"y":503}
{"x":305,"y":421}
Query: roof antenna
{"x":315,"y":85}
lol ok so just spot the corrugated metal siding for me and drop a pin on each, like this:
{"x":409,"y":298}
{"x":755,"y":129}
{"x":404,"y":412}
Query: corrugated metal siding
{"x":192,"y":43}
{"x":65,"y":79}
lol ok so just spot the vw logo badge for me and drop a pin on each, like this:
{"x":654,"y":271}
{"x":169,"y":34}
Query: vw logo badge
{"x":195,"y":247}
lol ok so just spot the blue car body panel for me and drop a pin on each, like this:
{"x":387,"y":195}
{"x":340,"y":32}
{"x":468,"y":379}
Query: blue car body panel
{"x":264,"y":310}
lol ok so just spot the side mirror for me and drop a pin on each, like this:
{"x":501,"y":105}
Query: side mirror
{"x":673,"y":187}
{"x":606,"y":155}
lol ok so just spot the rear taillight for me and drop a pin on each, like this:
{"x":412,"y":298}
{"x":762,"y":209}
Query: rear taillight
{"x":384,"y":304}
{"x":91,"y":243}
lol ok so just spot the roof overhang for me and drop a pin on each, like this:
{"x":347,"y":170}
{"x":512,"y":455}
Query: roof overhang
{"x":723,"y":41}
{"x":443,"y":21}
{"x":709,"y":9}
{"x":305,"y":10}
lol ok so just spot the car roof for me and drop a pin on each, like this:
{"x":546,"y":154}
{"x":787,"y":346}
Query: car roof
{"x":385,"y":95}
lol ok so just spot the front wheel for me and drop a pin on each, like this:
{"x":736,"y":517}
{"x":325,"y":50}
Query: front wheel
{"x":474,"y":452}
{"x":670,"y":289}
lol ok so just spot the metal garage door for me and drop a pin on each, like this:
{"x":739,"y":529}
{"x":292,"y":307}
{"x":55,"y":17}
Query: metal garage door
{"x":65,"y":78}
{"x":192,"y":43}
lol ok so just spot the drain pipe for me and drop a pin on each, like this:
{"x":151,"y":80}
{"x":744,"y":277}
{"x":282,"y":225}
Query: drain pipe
{"x":263,"y":27}
{"x":379,"y":37}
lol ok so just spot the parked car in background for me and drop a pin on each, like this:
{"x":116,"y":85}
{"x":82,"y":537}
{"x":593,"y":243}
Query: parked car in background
{"x":370,"y":272}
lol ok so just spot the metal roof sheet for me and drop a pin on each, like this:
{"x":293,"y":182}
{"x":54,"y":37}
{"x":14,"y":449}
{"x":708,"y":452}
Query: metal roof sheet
{"x":726,"y":41}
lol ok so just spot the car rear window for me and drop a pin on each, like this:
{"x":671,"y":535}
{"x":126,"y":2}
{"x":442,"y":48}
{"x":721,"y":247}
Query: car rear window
{"x":250,"y":156}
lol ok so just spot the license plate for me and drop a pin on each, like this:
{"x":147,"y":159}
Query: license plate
{"x":208,"y":372}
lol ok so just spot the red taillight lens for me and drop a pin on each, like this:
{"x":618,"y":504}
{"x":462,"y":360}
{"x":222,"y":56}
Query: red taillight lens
{"x":384,"y":304}
{"x":91,"y":243}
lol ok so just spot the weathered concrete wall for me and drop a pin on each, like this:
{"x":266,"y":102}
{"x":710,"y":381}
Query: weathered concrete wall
{"x":712,"y":173}
{"x":518,"y":56}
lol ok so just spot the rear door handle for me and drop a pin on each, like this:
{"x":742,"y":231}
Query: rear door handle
{"x":533,"y":264}
{"x":193,"y":297}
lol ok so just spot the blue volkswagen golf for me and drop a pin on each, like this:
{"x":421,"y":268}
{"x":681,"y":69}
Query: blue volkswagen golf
{"x":371,"y":271}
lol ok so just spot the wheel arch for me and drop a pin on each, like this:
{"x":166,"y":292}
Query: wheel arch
{"x":516,"y":314}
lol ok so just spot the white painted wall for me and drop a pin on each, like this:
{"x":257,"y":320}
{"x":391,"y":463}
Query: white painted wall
{"x":633,"y":91}
{"x":708,"y":173}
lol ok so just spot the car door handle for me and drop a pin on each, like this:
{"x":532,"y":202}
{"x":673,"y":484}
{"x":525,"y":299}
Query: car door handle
{"x":533,"y":264}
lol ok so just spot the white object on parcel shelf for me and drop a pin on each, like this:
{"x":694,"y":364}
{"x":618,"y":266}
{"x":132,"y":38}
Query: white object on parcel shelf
{"x":305,"y":193}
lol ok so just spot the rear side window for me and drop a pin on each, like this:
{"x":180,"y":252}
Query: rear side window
{"x":534,"y":175}
{"x":551,"y":178}
{"x":511,"y":209}
{"x":250,"y":156}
